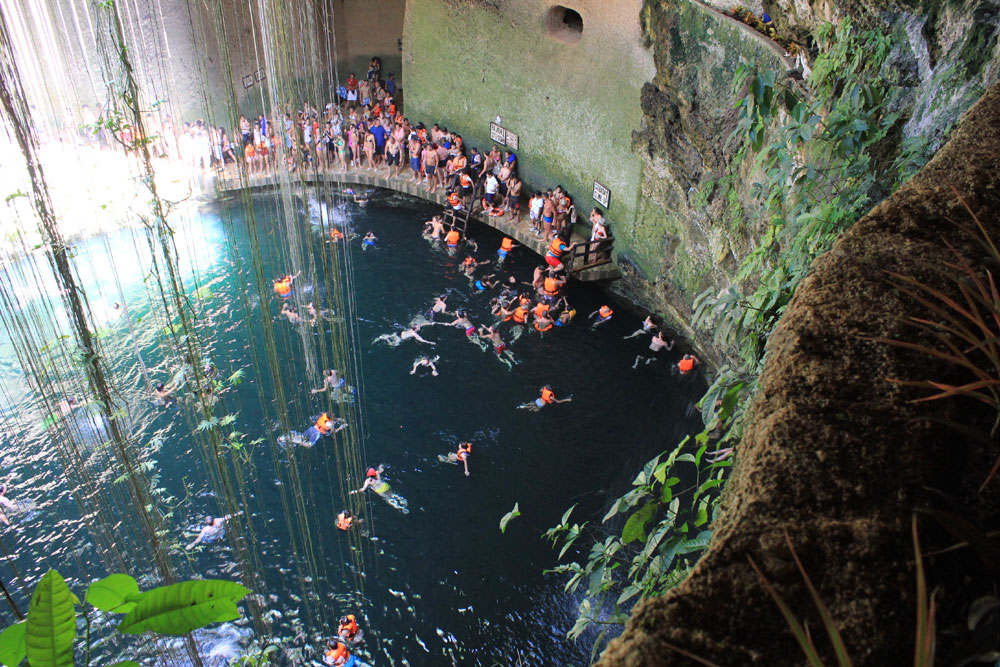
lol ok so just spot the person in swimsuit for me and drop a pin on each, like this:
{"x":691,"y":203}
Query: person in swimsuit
{"x":370,"y":241}
{"x":374,"y":481}
{"x":426,"y":362}
{"x":648,"y":327}
{"x":331,"y":380}
{"x":211,"y":532}
{"x":656,"y":343}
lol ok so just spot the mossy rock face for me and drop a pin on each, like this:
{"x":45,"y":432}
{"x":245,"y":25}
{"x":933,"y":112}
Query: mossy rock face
{"x":837,"y":455}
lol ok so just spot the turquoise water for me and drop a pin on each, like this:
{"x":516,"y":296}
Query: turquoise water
{"x":441,"y":584}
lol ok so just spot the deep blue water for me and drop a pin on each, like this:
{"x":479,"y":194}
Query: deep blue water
{"x":441,"y":584}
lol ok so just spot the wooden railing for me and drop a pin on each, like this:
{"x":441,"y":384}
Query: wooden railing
{"x":589,"y":254}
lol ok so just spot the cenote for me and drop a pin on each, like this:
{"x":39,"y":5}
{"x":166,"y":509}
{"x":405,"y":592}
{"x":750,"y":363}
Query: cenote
{"x":441,"y":584}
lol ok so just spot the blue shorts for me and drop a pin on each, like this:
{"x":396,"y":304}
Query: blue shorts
{"x":502,"y":252}
{"x":539,"y":402}
{"x":415,"y":163}
{"x":368,"y":242}
{"x":313,"y":434}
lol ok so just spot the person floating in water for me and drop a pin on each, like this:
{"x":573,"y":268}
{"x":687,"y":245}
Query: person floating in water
{"x":348,"y":630}
{"x":283,"y":286}
{"x":374,"y":481}
{"x":440,"y":306}
{"x":164,"y":393}
{"x":499,"y":346}
{"x":547,"y":397}
{"x":369,"y":241}
{"x":687,"y":364}
{"x":336,"y":235}
{"x":603,"y":314}
{"x":331,"y":380}
{"x":337,"y":655}
{"x":6,"y":504}
{"x":345,"y":520}
{"x":656,"y":343}
{"x":505,"y":247}
{"x":392,"y":339}
{"x":648,"y":327}
{"x":324,"y":426}
{"x":425,"y":361}
{"x":212,"y":531}
{"x":290,"y":313}
{"x":453,"y":237}
{"x":460,"y":456}
{"x":566,"y":312}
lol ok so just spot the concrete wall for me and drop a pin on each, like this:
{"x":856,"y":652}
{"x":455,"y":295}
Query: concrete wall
{"x":574,"y":106}
{"x":367,"y":28}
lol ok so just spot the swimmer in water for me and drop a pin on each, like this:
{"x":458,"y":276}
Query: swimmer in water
{"x":290,"y":313}
{"x":424,"y":361}
{"x":547,"y":397}
{"x":212,"y":531}
{"x":435,"y":227}
{"x":337,"y":655}
{"x":324,"y":426}
{"x":648,"y":327}
{"x":370,"y":241}
{"x":566,"y":312}
{"x":499,"y":346}
{"x":67,"y":405}
{"x":348,"y":630}
{"x":461,"y":456}
{"x":164,"y":393}
{"x":603,"y":314}
{"x":656,"y":343}
{"x":6,"y":503}
{"x":687,"y":364}
{"x":331,"y":380}
{"x":440,"y":306}
{"x":412,"y":332}
{"x":374,"y":481}
{"x":485,"y":283}
{"x":345,"y":520}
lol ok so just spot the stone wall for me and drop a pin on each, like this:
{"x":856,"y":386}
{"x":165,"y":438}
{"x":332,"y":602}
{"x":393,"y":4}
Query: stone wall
{"x":573,"y":105}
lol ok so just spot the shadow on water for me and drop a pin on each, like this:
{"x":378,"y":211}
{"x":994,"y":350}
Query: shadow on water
{"x":446,"y":585}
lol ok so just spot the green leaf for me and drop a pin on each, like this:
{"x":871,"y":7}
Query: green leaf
{"x":565,"y":516}
{"x":51,"y":624}
{"x":635,"y":527}
{"x":180,"y":608}
{"x":12,"y":648}
{"x":111,"y":592}
{"x":505,"y":519}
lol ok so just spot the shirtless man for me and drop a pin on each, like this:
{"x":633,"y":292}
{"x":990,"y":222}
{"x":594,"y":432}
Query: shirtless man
{"x":440,"y":306}
{"x":548,"y":215}
{"x":429,"y":160}
{"x":211,"y":532}
{"x":290,"y":313}
{"x":412,"y":332}
{"x":513,"y":203}
{"x":648,"y":327}
{"x":435,"y":226}
{"x":331,"y":380}
{"x":656,"y":343}
{"x":425,"y":361}
{"x":5,"y":503}
{"x":413,"y":147}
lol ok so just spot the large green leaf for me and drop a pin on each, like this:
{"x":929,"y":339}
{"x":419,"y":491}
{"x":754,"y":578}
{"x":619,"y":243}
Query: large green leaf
{"x":180,"y":608}
{"x":635,"y":527}
{"x":51,"y":625}
{"x":112,"y":593}
{"x":505,"y":519}
{"x":12,"y":649}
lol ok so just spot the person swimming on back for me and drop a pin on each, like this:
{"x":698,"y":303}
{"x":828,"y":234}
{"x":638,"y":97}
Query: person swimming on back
{"x":369,"y":241}
{"x":212,"y":531}
{"x":603,"y":314}
{"x":547,"y":397}
{"x":427,"y":362}
{"x":374,"y":481}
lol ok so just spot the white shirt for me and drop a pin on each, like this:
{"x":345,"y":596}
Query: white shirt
{"x":492,"y":184}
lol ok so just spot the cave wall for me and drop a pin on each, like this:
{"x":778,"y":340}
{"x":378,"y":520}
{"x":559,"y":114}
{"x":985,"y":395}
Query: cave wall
{"x":573,"y":106}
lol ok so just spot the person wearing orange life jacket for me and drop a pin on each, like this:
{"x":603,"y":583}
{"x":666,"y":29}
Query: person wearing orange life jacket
{"x":454,"y":201}
{"x":283,"y":286}
{"x":324,"y":426}
{"x":687,"y":364}
{"x":551,"y":286}
{"x":543,"y":322}
{"x":348,"y":630}
{"x":345,"y":520}
{"x":557,"y":248}
{"x":337,"y":655}
{"x":603,"y":314}
{"x":336,"y":235}
{"x":452,"y":238}
{"x":520,"y":315}
{"x":506,"y":246}
{"x":465,"y":182}
{"x":547,"y":397}
{"x":463,"y":454}
{"x":540,"y":310}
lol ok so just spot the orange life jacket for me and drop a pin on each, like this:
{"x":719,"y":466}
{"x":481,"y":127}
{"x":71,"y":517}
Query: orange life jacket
{"x":351,"y":626}
{"x":344,"y":523}
{"x":605,"y":312}
{"x":520,"y":314}
{"x":542,"y":329}
{"x":685,"y":365}
{"x":464,"y":450}
{"x":540,"y":309}
{"x":465,"y":180}
{"x":324,"y":424}
{"x":454,"y":199}
{"x":507,"y":244}
{"x":523,"y":300}
{"x":547,"y":395}
{"x":452,"y":238}
{"x":338,"y":653}
{"x":551,"y":286}
{"x":468,"y":261}
{"x":555,"y":248}
{"x":283,"y":286}
{"x":336,"y":235}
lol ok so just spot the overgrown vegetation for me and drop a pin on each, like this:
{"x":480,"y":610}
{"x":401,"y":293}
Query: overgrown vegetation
{"x":48,"y":636}
{"x":814,"y":153}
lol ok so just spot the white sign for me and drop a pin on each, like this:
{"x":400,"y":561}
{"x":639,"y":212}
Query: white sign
{"x":511,"y":139}
{"x":497,"y":133}
{"x":601,"y":194}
